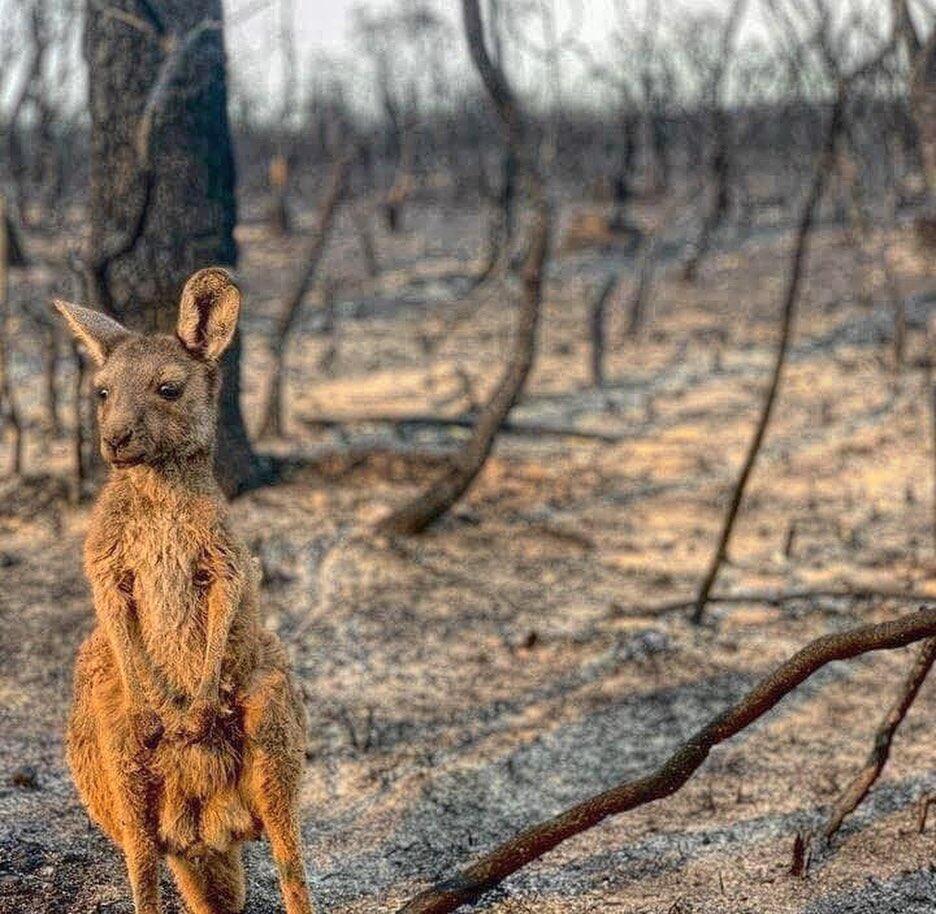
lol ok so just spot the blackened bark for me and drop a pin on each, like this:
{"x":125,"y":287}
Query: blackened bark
{"x":191,"y":212}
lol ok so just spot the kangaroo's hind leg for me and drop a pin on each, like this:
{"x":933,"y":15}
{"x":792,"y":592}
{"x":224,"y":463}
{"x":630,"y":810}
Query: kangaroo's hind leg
{"x":134,"y":795}
{"x":274,"y":725}
{"x":110,"y":769}
{"x":213,"y":883}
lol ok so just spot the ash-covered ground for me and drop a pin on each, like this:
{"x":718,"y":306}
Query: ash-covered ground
{"x":508,"y":663}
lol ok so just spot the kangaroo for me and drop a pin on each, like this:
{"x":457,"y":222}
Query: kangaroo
{"x":186,"y":736}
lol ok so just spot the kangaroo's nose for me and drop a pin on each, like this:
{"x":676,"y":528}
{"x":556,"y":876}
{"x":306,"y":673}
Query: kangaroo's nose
{"x":119,"y":439}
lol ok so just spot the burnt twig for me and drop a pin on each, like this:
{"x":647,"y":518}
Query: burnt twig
{"x":858,"y":789}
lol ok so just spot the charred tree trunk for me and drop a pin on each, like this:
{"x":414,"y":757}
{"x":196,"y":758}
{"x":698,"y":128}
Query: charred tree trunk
{"x":273,"y":422}
{"x":185,"y":202}
{"x":8,"y":405}
{"x":421,"y":511}
{"x":403,"y":181}
{"x":278,"y":178}
{"x":597,"y":328}
{"x":721,"y":164}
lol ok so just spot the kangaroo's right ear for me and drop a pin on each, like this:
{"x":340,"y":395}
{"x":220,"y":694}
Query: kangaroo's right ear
{"x":97,"y":332}
{"x":208,"y":312}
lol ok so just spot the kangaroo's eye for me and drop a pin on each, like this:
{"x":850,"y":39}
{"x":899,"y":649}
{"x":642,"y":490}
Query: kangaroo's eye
{"x":169,"y":391}
{"x":102,"y":393}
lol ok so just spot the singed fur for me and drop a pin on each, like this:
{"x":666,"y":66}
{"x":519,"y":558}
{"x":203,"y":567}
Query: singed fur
{"x":186,"y":734}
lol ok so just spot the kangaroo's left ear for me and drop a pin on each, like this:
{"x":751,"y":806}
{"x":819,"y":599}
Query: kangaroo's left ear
{"x":208,"y":313}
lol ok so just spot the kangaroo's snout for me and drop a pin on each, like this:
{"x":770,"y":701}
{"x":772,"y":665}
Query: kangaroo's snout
{"x":115,"y":441}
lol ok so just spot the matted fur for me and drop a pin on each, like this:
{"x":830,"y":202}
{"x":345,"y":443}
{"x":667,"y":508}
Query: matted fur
{"x":186,"y":736}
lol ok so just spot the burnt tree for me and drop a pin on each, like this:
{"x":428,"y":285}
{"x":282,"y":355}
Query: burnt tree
{"x":162,"y":179}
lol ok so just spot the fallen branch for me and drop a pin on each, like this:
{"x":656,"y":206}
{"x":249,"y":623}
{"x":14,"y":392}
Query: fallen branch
{"x":427,"y":420}
{"x":858,"y":789}
{"x":538,"y":840}
{"x":780,"y":598}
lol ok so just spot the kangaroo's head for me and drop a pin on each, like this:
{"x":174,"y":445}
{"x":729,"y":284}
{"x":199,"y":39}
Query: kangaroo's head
{"x":157,"y":394}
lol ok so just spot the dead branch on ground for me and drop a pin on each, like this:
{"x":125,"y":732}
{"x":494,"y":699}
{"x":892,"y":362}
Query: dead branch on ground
{"x":537,"y":840}
{"x":783,"y":597}
{"x":469,"y":421}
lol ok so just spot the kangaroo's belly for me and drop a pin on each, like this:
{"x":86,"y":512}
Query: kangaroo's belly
{"x":202,"y":799}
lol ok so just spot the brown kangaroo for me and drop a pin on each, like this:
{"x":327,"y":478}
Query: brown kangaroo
{"x":186,"y":735}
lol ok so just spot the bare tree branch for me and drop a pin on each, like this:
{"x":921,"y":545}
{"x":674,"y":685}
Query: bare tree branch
{"x":721,"y":161}
{"x":273,"y":421}
{"x":801,"y":246}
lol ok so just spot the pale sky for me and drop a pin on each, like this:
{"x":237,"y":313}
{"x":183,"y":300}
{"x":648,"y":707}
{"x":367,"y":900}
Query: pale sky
{"x":323,"y":32}
{"x":323,"y":27}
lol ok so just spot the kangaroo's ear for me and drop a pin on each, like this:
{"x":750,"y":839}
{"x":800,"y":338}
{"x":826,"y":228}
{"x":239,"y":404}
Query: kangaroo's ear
{"x":97,"y":332}
{"x":208,"y":313}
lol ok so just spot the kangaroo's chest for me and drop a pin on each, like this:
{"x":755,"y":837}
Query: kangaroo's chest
{"x":166,"y":573}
